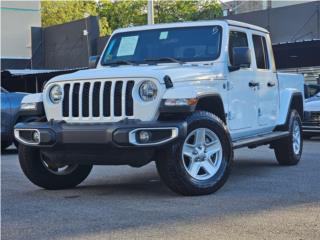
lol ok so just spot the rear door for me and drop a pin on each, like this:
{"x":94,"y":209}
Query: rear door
{"x":267,"y":91}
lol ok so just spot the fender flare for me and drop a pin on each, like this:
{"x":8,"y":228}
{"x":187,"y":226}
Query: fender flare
{"x":218,"y":110}
{"x":283,"y":116}
{"x":31,"y":98}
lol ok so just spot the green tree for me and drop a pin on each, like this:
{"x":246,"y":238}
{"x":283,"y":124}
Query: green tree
{"x":123,"y":13}
{"x":181,"y":10}
{"x":115,"y":14}
{"x":57,"y":12}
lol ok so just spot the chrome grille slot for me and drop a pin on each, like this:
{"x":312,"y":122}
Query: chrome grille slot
{"x":105,"y":100}
{"x":95,"y":100}
{"x":129,"y":98}
{"x":85,"y":99}
{"x":65,"y":104}
{"x":117,"y":99}
{"x":75,"y":100}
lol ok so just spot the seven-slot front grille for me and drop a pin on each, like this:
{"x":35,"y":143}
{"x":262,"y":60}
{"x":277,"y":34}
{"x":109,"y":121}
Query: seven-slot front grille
{"x":104,"y":99}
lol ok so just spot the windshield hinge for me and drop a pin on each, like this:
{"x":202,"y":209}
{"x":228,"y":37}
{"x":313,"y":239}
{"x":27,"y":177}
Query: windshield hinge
{"x":167,"y":81}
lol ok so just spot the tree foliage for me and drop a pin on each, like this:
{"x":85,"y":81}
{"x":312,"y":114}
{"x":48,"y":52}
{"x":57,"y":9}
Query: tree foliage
{"x":123,"y":13}
{"x":56,"y":12}
{"x":114,"y":14}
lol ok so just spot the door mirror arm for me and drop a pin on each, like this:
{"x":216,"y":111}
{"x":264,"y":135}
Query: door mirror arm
{"x":233,"y":68}
{"x":241,"y":57}
{"x":93,"y":61}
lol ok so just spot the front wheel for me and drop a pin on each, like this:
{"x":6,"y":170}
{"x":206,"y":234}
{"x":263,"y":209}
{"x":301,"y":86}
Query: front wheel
{"x":4,"y":145}
{"x":288,"y":150}
{"x":201,"y":163}
{"x":45,"y":174}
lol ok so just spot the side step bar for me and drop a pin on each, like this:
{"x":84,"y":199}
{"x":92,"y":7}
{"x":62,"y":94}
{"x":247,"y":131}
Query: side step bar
{"x":259,"y":139}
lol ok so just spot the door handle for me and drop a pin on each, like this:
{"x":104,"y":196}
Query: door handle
{"x":253,"y":84}
{"x":271,"y":84}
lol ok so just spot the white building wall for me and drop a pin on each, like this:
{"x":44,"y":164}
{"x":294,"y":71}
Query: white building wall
{"x":17,"y":18}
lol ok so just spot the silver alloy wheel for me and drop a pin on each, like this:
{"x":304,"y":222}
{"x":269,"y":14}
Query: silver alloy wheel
{"x":58,"y":170}
{"x":202,"y":153}
{"x":296,"y":137}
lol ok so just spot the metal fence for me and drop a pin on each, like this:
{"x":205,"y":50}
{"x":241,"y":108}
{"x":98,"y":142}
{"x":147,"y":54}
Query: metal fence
{"x":65,"y":46}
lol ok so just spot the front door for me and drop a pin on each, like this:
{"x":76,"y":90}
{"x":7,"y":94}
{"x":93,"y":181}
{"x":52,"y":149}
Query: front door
{"x":242,"y":98}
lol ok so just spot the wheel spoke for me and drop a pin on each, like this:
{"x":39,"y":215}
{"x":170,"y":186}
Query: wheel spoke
{"x":188,"y":150}
{"x":200,"y":136}
{"x":202,"y":153}
{"x":194,"y":168}
{"x":296,"y":137}
{"x":213,"y":148}
{"x":208,"y":167}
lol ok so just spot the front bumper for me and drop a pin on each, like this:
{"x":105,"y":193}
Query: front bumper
{"x":311,"y":122}
{"x":120,"y":134}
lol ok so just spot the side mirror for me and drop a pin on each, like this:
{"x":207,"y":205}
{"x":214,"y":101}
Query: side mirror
{"x":241,"y":57}
{"x":93,"y":61}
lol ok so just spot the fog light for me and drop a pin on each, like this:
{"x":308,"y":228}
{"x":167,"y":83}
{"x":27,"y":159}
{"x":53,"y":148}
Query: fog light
{"x":144,"y":136}
{"x":29,"y":106}
{"x":36,"y":136}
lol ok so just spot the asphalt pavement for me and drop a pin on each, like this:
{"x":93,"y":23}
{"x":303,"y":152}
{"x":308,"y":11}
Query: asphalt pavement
{"x":261,"y":200}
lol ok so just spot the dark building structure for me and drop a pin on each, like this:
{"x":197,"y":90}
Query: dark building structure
{"x":65,"y":46}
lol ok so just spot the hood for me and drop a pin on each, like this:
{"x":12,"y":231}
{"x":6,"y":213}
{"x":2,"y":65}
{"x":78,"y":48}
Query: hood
{"x":316,"y":97}
{"x":176,"y":72}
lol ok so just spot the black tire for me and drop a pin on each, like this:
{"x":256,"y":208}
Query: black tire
{"x":170,"y":165}
{"x":307,"y":136}
{"x":34,"y":169}
{"x":4,"y":146}
{"x":283,"y":148}
{"x":16,"y":143}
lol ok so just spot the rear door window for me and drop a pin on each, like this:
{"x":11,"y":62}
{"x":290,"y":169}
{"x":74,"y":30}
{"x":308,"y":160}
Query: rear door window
{"x":261,"y":51}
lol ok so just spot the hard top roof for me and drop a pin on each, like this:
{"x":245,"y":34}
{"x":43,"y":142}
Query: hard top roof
{"x":192,"y":24}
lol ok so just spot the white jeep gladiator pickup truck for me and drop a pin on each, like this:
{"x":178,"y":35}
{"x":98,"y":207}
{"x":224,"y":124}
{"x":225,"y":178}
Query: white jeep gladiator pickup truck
{"x":184,"y":95}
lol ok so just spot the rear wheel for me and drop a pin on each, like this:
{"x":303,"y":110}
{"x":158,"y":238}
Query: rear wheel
{"x":288,"y":150}
{"x":45,"y":174}
{"x":307,"y":135}
{"x":201,"y":163}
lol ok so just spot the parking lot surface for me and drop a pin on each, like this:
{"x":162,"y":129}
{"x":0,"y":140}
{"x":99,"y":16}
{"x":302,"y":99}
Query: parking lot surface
{"x":261,"y":200}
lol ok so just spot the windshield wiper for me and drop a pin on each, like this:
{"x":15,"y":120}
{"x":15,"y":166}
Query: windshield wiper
{"x":164,"y":59}
{"x":120,"y":62}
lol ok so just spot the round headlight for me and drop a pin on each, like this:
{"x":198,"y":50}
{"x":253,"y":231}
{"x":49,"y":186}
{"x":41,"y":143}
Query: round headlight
{"x":55,"y":94}
{"x":148,"y":91}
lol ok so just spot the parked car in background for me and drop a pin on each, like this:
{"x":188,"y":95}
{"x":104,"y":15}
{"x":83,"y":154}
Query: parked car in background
{"x":311,"y":90}
{"x":10,"y":106}
{"x":311,"y":122}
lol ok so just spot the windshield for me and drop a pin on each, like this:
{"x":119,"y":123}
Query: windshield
{"x":188,"y":44}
